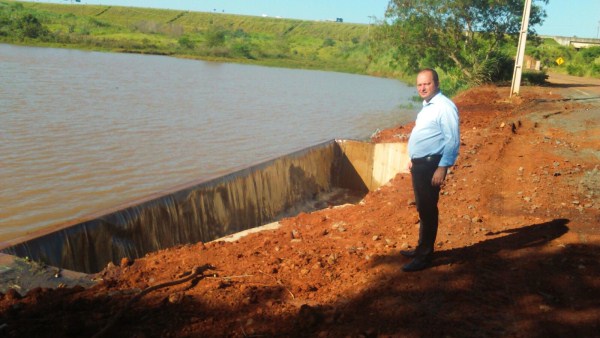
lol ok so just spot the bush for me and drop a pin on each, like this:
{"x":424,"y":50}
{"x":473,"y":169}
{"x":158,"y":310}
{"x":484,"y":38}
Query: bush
{"x":215,"y":37}
{"x":186,"y":42}
{"x":31,"y":27}
{"x":575,"y":70}
{"x":534,"y":77}
{"x":503,"y":68}
{"x":328,"y":42}
{"x":243,"y":49}
{"x":589,"y":55}
{"x":595,"y":70}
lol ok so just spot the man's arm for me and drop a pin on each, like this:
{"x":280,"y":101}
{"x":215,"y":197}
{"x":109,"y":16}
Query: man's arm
{"x":449,"y":124}
{"x":450,"y":128}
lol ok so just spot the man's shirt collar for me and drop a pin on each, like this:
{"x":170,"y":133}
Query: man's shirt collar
{"x":426,"y":103}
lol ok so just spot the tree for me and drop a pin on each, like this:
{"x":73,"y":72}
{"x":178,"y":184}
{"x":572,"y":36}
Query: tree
{"x":215,"y":37}
{"x":464,"y":37}
{"x":31,"y":27}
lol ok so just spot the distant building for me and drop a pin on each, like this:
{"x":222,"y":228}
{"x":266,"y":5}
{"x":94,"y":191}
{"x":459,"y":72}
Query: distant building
{"x":339,"y":20}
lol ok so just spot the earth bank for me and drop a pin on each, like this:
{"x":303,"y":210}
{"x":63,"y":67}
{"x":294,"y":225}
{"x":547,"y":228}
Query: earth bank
{"x":518,"y":249}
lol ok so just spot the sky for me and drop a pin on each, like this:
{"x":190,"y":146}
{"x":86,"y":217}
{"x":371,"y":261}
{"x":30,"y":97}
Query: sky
{"x":579,"y":18}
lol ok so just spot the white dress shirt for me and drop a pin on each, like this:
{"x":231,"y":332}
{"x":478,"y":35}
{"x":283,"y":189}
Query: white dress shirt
{"x":436,"y":131}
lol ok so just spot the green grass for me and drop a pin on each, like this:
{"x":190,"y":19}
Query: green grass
{"x":212,"y":36}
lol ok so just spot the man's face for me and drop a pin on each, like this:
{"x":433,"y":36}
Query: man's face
{"x":426,"y":87}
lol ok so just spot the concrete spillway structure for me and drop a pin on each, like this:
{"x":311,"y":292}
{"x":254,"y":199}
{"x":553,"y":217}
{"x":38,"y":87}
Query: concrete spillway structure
{"x":209,"y":209}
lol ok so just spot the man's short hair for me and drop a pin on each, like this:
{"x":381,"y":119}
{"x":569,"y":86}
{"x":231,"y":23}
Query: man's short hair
{"x":434,"y":75}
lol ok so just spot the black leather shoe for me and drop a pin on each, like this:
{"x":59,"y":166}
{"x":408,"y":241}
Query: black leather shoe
{"x":408,"y":253}
{"x":416,"y":264}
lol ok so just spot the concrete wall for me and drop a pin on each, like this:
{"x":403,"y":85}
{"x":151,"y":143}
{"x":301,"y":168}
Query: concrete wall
{"x":574,"y":41}
{"x":206,"y":210}
{"x":374,"y":164}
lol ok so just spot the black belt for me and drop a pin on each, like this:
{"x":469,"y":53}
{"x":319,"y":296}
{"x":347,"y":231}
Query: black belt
{"x":427,"y":159}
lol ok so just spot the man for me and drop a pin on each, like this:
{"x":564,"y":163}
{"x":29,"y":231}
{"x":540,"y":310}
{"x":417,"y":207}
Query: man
{"x":433,"y":148}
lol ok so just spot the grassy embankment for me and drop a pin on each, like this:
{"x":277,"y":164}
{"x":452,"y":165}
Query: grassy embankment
{"x":210,"y":36}
{"x":332,"y":46}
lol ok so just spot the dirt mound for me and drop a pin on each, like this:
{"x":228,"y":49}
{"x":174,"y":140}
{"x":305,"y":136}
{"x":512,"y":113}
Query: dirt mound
{"x":517,"y":251}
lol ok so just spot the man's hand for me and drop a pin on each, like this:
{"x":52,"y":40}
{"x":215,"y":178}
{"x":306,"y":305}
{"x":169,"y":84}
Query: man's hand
{"x":439,"y":176}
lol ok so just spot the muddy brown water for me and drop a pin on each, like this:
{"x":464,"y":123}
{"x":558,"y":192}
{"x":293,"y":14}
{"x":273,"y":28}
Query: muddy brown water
{"x":84,"y":131}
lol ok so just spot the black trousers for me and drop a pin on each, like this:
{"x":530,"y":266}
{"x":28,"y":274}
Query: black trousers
{"x":426,"y":198}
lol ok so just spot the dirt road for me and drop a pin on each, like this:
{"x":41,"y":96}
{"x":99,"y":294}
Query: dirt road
{"x":575,"y":87}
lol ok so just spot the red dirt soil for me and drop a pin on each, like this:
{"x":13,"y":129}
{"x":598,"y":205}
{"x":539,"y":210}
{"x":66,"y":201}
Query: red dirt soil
{"x":518,"y":250}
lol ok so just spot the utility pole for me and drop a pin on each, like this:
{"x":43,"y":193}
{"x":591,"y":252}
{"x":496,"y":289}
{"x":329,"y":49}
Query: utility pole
{"x":516,"y":80}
